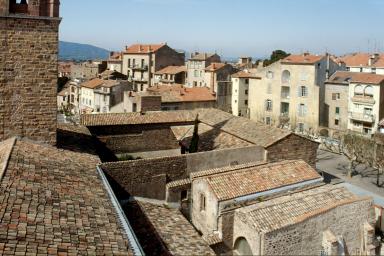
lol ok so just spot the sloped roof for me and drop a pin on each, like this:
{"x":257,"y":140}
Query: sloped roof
{"x":362,"y":60}
{"x":238,"y":183}
{"x":202,"y":56}
{"x":250,"y":131}
{"x":344,"y":77}
{"x":97,"y":82}
{"x":143,"y":48}
{"x":216,"y":66}
{"x":179,"y":93}
{"x":303,"y":59}
{"x":172,"y":70}
{"x":175,"y":231}
{"x":291,"y":209}
{"x":65,"y":91}
{"x":53,"y":201}
{"x":245,"y":74}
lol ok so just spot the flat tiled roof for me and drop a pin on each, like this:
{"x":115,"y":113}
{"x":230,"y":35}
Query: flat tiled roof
{"x":178,"y":235}
{"x":260,"y":178}
{"x":287,"y":210}
{"x":344,"y":77}
{"x":243,"y":128}
{"x":53,"y":201}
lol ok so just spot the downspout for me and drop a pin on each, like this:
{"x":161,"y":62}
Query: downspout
{"x":132,"y":239}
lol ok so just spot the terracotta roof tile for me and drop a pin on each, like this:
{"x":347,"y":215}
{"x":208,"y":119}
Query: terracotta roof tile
{"x":172,"y":70}
{"x":97,"y":82}
{"x":179,"y":93}
{"x":260,"y":178}
{"x":178,"y":235}
{"x":202,"y":56}
{"x":216,"y":66}
{"x":290,"y":209}
{"x":54,"y":201}
{"x":143,"y":48}
{"x":362,"y":60}
{"x":243,"y":128}
{"x":344,"y":77}
{"x":245,"y":74}
{"x":304,"y":59}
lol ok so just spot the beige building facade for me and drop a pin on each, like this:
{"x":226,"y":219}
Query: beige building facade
{"x":291,"y":93}
{"x":240,"y":92}
{"x":141,"y":62}
{"x":196,"y":66}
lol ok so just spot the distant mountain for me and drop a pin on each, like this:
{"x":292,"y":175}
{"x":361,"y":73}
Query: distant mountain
{"x":81,"y":52}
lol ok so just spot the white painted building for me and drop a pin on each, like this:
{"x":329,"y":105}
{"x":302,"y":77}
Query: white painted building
{"x":364,"y":63}
{"x":240,"y":92}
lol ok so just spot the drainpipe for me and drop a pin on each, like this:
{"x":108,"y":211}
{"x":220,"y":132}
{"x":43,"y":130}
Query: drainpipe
{"x":132,"y":239}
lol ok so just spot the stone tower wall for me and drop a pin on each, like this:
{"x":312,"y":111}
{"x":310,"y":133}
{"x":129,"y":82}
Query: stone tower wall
{"x":28,"y":75}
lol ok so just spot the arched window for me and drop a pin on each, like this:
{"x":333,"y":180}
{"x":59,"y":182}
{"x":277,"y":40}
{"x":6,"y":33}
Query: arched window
{"x":368,"y":91}
{"x":269,"y":74}
{"x":242,"y":247}
{"x":286,"y":77}
{"x":359,"y":91}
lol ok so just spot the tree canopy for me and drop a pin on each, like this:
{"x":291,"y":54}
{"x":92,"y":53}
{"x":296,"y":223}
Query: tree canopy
{"x":275,"y":56}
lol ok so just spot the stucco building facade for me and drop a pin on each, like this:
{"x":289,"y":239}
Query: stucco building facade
{"x":142,"y":61}
{"x":196,"y":66}
{"x":291,"y":93}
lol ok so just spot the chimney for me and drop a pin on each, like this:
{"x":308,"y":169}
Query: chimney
{"x":140,"y":48}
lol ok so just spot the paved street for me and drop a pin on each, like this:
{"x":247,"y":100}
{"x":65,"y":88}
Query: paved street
{"x":337,"y":165}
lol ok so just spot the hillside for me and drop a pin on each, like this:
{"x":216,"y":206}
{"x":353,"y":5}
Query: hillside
{"x":80,"y":52}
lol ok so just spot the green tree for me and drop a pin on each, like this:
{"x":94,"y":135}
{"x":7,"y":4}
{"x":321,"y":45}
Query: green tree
{"x":275,"y":56}
{"x":194,"y":146}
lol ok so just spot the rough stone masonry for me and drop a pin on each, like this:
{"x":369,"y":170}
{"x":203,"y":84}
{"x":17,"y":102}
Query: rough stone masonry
{"x":28,"y":69}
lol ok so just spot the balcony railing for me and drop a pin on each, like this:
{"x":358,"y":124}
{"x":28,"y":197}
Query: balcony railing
{"x":363,"y":117}
{"x":363,"y":99}
{"x":139,"y":67}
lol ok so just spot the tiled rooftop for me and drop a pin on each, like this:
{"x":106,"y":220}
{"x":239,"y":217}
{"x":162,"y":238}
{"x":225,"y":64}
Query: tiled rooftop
{"x":179,"y":93}
{"x":243,"y":128}
{"x":176,"y":233}
{"x":362,"y":60}
{"x":344,"y":77}
{"x":260,"y":178}
{"x":143,"y":48}
{"x":287,"y":210}
{"x":53,"y":202}
{"x":215,"y":66}
{"x":202,"y":56}
{"x":172,"y":70}
{"x":210,"y":138}
{"x":245,"y":74}
{"x":303,"y":59}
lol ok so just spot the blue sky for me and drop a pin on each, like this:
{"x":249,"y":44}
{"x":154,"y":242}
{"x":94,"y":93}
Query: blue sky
{"x":230,"y":27}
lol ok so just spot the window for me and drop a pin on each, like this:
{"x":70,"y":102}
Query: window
{"x":268,"y":120}
{"x":246,"y":102}
{"x":246,"y":92}
{"x":196,"y":73}
{"x":359,"y":91}
{"x":368,"y":91}
{"x":301,"y":127}
{"x":373,"y":71}
{"x":129,"y":62}
{"x":184,"y":195}
{"x":302,"y":110}
{"x":337,"y":111}
{"x":247,"y":81}
{"x":202,"y":202}
{"x":303,"y":76}
{"x":268,"y":105}
{"x":269,"y":89}
{"x":335,"y":96}
{"x":286,"y":77}
{"x":337,"y":122}
{"x":303,"y":91}
{"x":269,"y":75}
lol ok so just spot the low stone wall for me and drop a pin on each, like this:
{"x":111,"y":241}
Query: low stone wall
{"x":141,"y":177}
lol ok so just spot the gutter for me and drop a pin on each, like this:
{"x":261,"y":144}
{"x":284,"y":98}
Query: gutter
{"x":132,"y":239}
{"x":270,"y":192}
